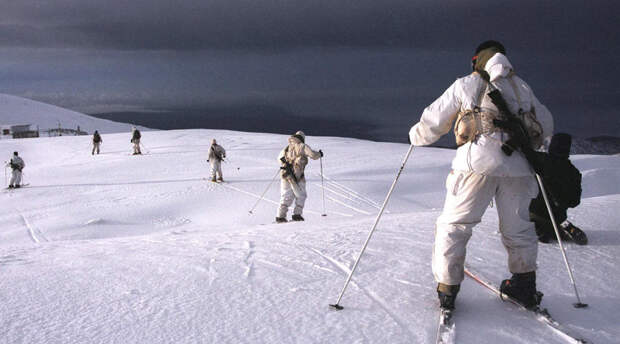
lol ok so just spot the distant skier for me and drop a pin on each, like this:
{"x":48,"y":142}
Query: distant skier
{"x":293,"y":159}
{"x":216,"y":155}
{"x":562,"y":182}
{"x":135,"y":139}
{"x":482,"y":171}
{"x":17,"y":165}
{"x":96,"y":142}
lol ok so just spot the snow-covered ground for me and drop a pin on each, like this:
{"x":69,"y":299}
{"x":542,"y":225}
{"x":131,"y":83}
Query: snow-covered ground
{"x":17,"y":110}
{"x":117,"y":248}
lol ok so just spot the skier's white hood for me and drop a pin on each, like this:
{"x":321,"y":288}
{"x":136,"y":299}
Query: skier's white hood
{"x":484,"y":156}
{"x":498,"y":66}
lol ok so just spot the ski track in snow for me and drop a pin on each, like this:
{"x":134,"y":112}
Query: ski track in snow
{"x":34,"y":233}
{"x":249,"y":263}
{"x":352,"y":192}
{"x":347,"y":206}
{"x":274,"y":202}
{"x":372,"y":295}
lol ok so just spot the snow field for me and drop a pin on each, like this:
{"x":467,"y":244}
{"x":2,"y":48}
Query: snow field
{"x":117,"y":248}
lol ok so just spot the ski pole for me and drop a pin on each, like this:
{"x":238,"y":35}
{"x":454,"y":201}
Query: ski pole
{"x":148,"y":151}
{"x":387,"y":198}
{"x":322,"y":186}
{"x":578,"y":304}
{"x":264,"y":192}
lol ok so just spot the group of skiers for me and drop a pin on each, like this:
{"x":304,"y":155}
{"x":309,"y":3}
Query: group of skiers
{"x":500,"y":127}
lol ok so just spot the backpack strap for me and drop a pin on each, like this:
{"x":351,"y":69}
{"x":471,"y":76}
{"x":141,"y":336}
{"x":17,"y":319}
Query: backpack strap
{"x":515,"y":89}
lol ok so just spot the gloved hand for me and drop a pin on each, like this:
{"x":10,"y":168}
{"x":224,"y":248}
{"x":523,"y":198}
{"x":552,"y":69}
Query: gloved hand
{"x":519,"y":138}
{"x":321,"y":152}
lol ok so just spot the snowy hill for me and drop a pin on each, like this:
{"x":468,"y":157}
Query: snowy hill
{"x":117,"y":248}
{"x":596,"y":145}
{"x":18,"y":110}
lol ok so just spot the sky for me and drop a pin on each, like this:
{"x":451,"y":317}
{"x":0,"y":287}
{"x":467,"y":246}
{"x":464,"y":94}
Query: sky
{"x":379,"y":62}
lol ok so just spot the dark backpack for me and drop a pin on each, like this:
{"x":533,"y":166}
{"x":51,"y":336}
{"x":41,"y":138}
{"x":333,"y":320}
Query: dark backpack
{"x":563,"y":181}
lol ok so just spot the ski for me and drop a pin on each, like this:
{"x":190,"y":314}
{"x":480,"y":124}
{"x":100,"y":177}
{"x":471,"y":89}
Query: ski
{"x":540,"y":314}
{"x":20,"y":187}
{"x":446,"y":332}
{"x":215,"y":182}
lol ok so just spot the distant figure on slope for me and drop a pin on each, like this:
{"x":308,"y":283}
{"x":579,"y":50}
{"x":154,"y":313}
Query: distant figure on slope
{"x":17,"y":165}
{"x":481,"y":172}
{"x":562,"y":182}
{"x":293,"y":159}
{"x":216,"y":156}
{"x":96,"y":142}
{"x":135,"y":139}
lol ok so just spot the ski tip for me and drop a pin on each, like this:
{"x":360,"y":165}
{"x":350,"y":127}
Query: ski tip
{"x":336,"y":307}
{"x":580,"y":305}
{"x":323,"y":214}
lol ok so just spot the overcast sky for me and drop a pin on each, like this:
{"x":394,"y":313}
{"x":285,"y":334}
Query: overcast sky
{"x":315,"y":57}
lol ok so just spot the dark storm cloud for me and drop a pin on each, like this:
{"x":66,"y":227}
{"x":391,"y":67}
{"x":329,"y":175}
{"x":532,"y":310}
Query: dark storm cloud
{"x":280,"y":24}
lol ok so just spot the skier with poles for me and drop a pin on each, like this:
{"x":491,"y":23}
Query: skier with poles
{"x":96,"y":142}
{"x":216,"y":156}
{"x":135,"y":139}
{"x":17,"y":165}
{"x":563,"y":181}
{"x":485,"y":169}
{"x":293,"y":159}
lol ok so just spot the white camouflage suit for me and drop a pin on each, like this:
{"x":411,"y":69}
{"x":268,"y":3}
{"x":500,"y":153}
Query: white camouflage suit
{"x":297,"y":154}
{"x":17,"y":165}
{"x":216,"y":154}
{"x":481,"y":172}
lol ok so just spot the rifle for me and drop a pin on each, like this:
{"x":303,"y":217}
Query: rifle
{"x":511,"y":124}
{"x":288,"y":168}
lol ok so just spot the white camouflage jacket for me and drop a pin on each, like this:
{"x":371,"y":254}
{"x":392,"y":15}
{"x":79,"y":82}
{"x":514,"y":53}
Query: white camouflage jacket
{"x":484,"y":155}
{"x":297,"y":154}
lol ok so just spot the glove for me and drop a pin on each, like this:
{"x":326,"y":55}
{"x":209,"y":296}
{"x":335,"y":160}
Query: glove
{"x":321,"y":152}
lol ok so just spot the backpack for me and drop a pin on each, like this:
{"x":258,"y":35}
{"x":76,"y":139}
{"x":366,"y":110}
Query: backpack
{"x":471,"y":123}
{"x":563,"y":181}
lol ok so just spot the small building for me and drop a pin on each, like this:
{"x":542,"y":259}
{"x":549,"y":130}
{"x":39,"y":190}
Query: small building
{"x":18,"y":131}
{"x":21,"y":131}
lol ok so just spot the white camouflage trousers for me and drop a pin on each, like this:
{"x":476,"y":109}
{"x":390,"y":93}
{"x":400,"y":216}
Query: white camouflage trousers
{"x":289,"y":192}
{"x":16,"y":178}
{"x":136,"y":147}
{"x":468,"y":196}
{"x":216,"y":168}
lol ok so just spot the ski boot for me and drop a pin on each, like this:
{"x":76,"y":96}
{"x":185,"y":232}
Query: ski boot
{"x":214,"y":180}
{"x":447,"y":295}
{"x":571,"y":232}
{"x":11,"y":186}
{"x":17,"y":186}
{"x":281,"y":220}
{"x":297,"y":218}
{"x":522,"y":288}
{"x":220,"y":179}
